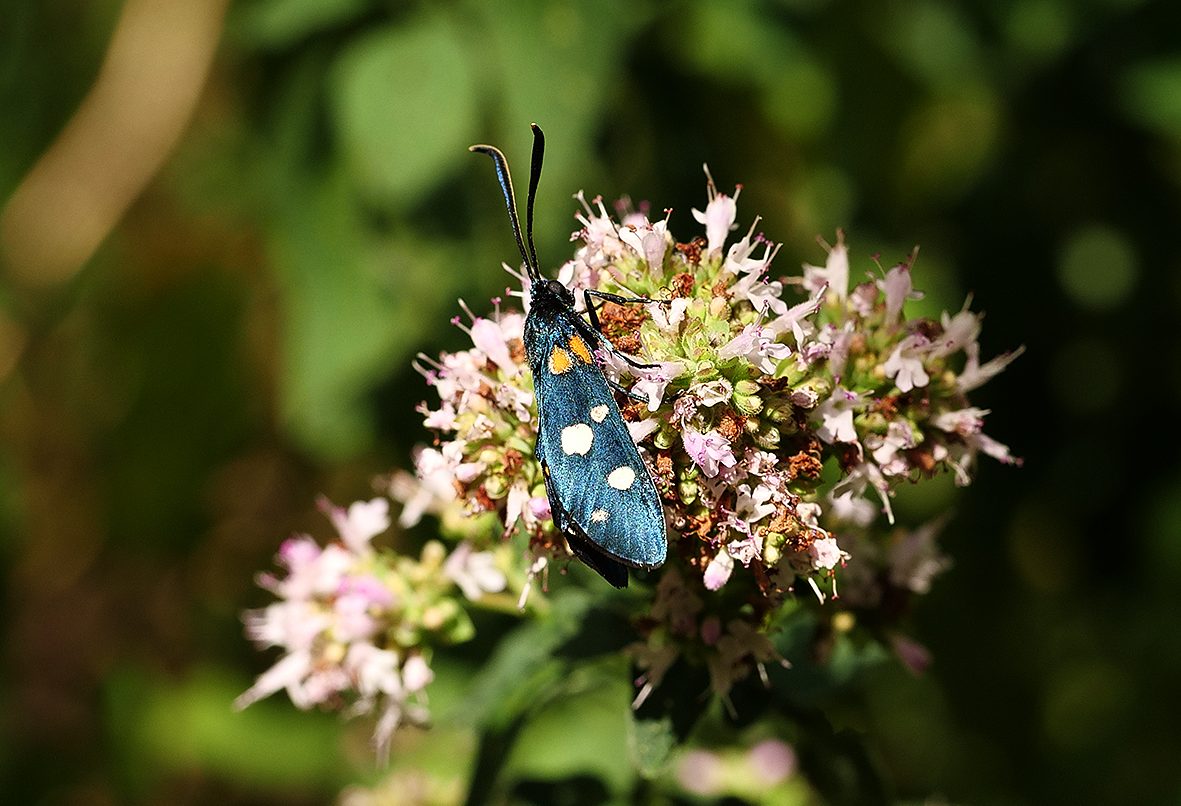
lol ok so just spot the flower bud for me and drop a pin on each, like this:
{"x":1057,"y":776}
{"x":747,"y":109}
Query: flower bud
{"x":768,"y":438}
{"x":687,"y":490}
{"x":433,"y":555}
{"x":496,"y":487}
{"x":773,"y":548}
{"x":748,"y":405}
{"x":746,"y":387}
{"x":439,"y":614}
{"x":820,"y":387}
{"x":779,"y":411}
{"x":872,"y":422}
{"x":665,"y":438}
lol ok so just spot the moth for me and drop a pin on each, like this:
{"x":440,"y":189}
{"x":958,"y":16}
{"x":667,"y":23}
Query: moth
{"x":601,"y":495}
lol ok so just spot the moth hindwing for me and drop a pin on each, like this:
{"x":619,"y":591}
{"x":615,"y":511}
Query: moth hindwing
{"x":602,"y":497}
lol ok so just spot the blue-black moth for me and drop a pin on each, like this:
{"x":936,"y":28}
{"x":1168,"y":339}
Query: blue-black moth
{"x":602,"y":497}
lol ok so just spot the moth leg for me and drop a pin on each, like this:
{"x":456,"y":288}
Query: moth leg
{"x":636,"y":396}
{"x":597,"y":328}
{"x":593,"y":313}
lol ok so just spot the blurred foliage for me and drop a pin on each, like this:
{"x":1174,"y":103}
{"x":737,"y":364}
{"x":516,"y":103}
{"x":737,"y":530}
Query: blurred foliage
{"x":242,"y":342}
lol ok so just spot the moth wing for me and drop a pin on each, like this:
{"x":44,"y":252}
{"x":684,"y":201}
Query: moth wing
{"x":608,"y":568}
{"x":595,"y":471}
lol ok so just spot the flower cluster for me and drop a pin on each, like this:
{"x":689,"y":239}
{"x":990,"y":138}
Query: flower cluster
{"x":356,"y":625}
{"x":776,"y":431}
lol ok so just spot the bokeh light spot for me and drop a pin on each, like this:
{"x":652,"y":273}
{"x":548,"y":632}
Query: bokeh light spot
{"x":1097,"y":268}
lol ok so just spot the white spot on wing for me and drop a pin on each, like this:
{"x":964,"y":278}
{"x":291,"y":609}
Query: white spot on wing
{"x":621,"y":477}
{"x":599,"y":515}
{"x":599,"y":413}
{"x":577,"y":439}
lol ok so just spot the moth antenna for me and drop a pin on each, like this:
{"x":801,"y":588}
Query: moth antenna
{"x":534,"y":177}
{"x":506,"y":185}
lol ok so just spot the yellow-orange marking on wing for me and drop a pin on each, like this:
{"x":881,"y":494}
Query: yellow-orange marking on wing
{"x":559,"y":360}
{"x":579,"y":348}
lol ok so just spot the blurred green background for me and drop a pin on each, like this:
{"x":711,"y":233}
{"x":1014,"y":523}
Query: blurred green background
{"x":227,"y":230}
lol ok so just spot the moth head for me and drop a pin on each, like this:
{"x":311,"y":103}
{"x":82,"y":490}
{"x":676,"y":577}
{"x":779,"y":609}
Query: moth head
{"x":551,"y":290}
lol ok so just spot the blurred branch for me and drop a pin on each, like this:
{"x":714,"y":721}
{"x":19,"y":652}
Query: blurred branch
{"x":146,"y":90}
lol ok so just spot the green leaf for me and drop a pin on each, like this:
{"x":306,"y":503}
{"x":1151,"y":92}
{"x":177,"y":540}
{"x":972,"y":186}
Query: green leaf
{"x":524,"y":667}
{"x":798,"y":94}
{"x":353,"y":308}
{"x":167,"y":726}
{"x":404,"y":108}
{"x":650,"y":743}
{"x":280,"y":23}
{"x":584,"y":50}
{"x":583,"y":731}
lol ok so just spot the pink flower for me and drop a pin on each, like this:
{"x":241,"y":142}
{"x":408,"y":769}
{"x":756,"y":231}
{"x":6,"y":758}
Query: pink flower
{"x":958,"y":331}
{"x":887,"y":449}
{"x":795,"y":319}
{"x":976,"y":374}
{"x":361,"y":522}
{"x":836,"y":417}
{"x":416,"y":674}
{"x":835,"y":274}
{"x":648,"y":240}
{"x":717,"y":573}
{"x":826,"y":554}
{"x":964,"y":422}
{"x":652,"y":382}
{"x":905,"y":364}
{"x":709,"y":451}
{"x":490,"y":339}
{"x":701,"y":773}
{"x":898,"y":289}
{"x":718,"y":217}
{"x":772,"y":761}
{"x":754,"y":504}
{"x":312,"y":571}
{"x":288,"y":673}
{"x":475,"y":572}
{"x":740,"y":259}
{"x":758,"y":349}
{"x":669,"y":317}
{"x":375,"y":671}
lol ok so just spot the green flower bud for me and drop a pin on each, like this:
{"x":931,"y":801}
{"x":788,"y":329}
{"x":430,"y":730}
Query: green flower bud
{"x":433,"y":555}
{"x":821,"y":387}
{"x":773,"y":548}
{"x":872,"y":422}
{"x":768,"y":438}
{"x":459,"y":627}
{"x":748,"y":405}
{"x":746,"y":387}
{"x":496,"y":487}
{"x":440,"y":614}
{"x":665,"y":438}
{"x":779,"y":411}
{"x":687,"y":490}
